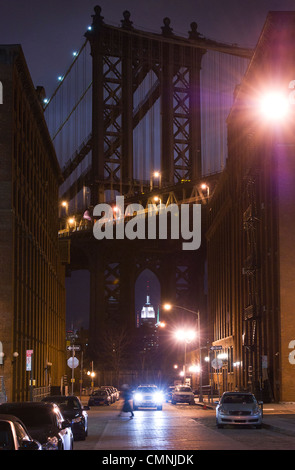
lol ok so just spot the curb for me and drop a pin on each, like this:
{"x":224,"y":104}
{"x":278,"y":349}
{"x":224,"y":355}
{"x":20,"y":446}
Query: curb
{"x":205,"y":406}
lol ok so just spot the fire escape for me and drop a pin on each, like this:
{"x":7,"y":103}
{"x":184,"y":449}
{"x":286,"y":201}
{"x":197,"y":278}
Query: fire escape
{"x":250,"y":272}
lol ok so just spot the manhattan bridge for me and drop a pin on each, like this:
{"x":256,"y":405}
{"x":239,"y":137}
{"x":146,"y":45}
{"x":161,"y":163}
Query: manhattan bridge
{"x":141,"y":115}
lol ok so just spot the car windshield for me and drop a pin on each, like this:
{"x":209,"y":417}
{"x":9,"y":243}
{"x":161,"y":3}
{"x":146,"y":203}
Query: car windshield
{"x":33,"y":416}
{"x":100,"y":393}
{"x":184,"y":389}
{"x":65,"y":403}
{"x":6,"y":442}
{"x":147,"y":389}
{"x":238,"y":399}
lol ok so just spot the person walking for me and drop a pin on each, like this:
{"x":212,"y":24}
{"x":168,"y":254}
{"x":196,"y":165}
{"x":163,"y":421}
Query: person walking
{"x":127,"y":408}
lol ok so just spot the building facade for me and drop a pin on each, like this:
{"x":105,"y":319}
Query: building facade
{"x":32,"y":296}
{"x":251,"y":250}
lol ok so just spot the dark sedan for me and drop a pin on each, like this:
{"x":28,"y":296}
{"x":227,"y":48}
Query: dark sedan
{"x":44,"y":422}
{"x":72,"y":409}
{"x":14,"y":435}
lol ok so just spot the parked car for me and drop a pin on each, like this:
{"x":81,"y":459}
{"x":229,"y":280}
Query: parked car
{"x":115,"y":393}
{"x":148,"y":396}
{"x":238,"y":408}
{"x":44,"y":422}
{"x":182,"y":394}
{"x":110,"y":391}
{"x":14,"y":435}
{"x":168,"y":393}
{"x":99,"y":397}
{"x":72,"y":409}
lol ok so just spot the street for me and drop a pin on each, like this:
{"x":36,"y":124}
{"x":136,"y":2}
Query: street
{"x":175,"y":428}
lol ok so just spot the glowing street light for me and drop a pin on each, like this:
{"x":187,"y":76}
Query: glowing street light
{"x":168,"y":307}
{"x":205,"y":187}
{"x":195,"y":368}
{"x":71,"y":222}
{"x":187,"y":336}
{"x":156,"y":175}
{"x":274,"y":106}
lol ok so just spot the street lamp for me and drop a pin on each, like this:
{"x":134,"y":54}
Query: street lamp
{"x":168,"y":307}
{"x":274,"y":105}
{"x":187,"y":336}
{"x":156,"y":175}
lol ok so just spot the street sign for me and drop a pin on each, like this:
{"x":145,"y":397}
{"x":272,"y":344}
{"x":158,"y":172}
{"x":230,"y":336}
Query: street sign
{"x":216,"y":348}
{"x":73,"y":362}
{"x":217,"y":363}
{"x":75,"y":347}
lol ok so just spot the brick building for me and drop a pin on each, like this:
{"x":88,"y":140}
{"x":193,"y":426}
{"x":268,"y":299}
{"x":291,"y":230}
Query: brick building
{"x":32,"y":296}
{"x":251,"y":242}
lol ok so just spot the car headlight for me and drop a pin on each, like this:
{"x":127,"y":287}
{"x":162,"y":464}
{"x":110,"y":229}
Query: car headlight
{"x":256,"y":411}
{"x":158,"y":397}
{"x":138,"y":397}
{"x":223,"y":411}
{"x":51,"y":444}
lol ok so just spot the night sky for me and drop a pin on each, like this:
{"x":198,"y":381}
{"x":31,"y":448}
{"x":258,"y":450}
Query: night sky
{"x":49,"y":32}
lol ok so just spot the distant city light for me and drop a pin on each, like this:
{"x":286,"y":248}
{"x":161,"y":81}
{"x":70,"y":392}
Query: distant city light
{"x":60,"y":78}
{"x":75,"y":53}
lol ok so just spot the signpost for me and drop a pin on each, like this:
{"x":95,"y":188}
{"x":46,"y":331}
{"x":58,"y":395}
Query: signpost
{"x":73,"y":362}
{"x":217,"y":364}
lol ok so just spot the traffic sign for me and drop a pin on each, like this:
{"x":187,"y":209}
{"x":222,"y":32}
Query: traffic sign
{"x":73,"y":362}
{"x":217,"y":363}
{"x":75,"y":347}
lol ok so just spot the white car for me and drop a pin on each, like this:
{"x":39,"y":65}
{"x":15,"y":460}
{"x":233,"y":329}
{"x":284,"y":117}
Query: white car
{"x":148,"y":396}
{"x":183,"y":394}
{"x":239,"y":408}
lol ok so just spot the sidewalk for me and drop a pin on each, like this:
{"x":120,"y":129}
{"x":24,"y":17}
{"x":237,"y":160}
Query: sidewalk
{"x":276,"y":416}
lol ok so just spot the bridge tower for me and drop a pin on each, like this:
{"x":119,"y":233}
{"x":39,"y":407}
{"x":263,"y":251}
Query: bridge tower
{"x":123,"y":59}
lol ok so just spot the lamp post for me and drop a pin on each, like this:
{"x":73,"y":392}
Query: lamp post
{"x":169,"y":307}
{"x":187,"y":336}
